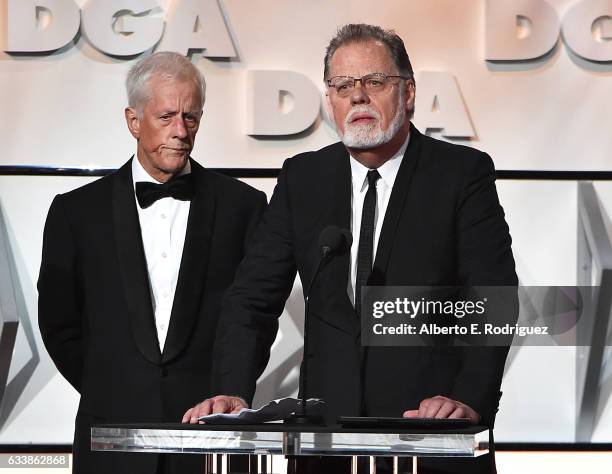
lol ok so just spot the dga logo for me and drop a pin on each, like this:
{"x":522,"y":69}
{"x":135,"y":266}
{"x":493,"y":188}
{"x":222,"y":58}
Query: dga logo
{"x":527,"y":29}
{"x":281,"y":103}
{"x":118,"y":27}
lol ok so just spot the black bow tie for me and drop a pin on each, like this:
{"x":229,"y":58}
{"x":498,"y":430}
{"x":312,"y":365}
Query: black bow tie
{"x":180,"y":188}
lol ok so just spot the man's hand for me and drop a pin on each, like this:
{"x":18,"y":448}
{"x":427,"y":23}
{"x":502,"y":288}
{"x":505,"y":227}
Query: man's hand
{"x":218,"y":404}
{"x":442,"y":407}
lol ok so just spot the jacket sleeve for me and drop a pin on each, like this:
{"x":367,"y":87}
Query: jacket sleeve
{"x":258,"y":206}
{"x":252,"y":305}
{"x":484,"y":259}
{"x":59,"y":301}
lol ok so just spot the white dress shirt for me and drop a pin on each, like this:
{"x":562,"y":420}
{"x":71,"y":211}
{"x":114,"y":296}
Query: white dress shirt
{"x":384,"y":186}
{"x":163,"y":226}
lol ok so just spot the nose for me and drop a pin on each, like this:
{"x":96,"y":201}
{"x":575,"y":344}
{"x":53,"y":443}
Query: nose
{"x":359,"y":95}
{"x":180,"y":130}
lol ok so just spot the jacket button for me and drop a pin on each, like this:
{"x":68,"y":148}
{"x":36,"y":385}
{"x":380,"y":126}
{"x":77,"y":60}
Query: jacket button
{"x":164,"y":371}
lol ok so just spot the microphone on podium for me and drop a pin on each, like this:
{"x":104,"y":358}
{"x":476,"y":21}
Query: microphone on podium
{"x":332,"y":241}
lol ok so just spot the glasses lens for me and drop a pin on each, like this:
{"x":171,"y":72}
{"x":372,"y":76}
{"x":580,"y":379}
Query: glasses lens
{"x":342,"y":84}
{"x":375,"y":82}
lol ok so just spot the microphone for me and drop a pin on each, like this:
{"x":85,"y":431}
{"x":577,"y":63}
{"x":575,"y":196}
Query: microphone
{"x":333,"y":238}
{"x":332,"y":241}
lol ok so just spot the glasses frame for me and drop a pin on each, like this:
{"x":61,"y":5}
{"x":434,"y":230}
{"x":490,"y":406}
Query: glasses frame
{"x":380,"y":75}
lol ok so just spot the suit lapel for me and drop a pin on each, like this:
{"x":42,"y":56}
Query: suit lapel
{"x":396,"y":207}
{"x":132,"y":264}
{"x":340,"y":179}
{"x":194,"y":264}
{"x":341,"y":313}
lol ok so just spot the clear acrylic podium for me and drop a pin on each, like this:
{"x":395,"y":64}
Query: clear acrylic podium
{"x":265,"y":441}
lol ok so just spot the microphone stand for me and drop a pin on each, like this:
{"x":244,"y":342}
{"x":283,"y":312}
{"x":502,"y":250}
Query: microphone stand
{"x":302,"y":418}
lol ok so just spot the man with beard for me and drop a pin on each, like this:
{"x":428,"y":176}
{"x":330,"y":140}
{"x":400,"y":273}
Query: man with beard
{"x":421,"y":212}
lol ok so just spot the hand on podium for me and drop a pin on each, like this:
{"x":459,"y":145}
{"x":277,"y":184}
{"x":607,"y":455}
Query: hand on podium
{"x":218,"y":404}
{"x":443,"y":407}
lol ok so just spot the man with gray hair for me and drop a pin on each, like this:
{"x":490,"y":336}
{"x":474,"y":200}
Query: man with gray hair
{"x":422,"y":212}
{"x":133,"y":269}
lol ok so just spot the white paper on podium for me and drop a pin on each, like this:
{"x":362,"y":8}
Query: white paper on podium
{"x":274,"y":410}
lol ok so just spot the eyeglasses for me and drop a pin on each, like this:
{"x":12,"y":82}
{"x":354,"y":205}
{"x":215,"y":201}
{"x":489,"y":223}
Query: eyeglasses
{"x":373,"y":83}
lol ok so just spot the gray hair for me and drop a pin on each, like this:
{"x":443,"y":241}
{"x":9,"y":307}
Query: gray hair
{"x":165,"y":64}
{"x":356,"y":33}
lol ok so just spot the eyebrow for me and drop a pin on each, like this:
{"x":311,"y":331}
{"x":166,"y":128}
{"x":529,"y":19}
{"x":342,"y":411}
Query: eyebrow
{"x":176,"y":112}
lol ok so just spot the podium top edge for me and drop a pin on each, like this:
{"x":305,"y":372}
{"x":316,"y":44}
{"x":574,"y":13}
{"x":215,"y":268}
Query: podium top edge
{"x":279,"y":427}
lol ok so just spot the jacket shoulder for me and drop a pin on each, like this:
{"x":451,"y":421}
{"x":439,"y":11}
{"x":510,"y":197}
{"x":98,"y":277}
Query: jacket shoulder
{"x":94,"y":191}
{"x":456,"y":156}
{"x":322,"y":154}
{"x":317,"y":160}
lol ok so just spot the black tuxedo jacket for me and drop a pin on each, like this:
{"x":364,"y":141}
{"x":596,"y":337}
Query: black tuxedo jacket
{"x":95,"y":310}
{"x":443,"y":226}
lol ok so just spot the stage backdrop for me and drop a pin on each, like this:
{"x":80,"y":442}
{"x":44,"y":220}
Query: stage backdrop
{"x":527,"y":81}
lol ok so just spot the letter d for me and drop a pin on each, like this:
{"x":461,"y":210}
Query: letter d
{"x":40,"y":25}
{"x":265,"y":110}
{"x":520,"y":29}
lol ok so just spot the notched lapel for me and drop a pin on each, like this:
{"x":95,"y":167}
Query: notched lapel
{"x":194,"y":265}
{"x":343,"y":316}
{"x":133,"y":265}
{"x":395,"y":207}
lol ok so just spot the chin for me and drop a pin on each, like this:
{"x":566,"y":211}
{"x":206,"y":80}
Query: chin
{"x":363,"y":139}
{"x":175,"y":162}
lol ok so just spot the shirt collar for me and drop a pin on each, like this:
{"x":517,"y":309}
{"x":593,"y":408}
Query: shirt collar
{"x":388,"y":170}
{"x":140,"y":174}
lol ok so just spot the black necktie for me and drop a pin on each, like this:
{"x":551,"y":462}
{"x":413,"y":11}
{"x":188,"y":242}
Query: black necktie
{"x":180,"y":188}
{"x":366,"y":239}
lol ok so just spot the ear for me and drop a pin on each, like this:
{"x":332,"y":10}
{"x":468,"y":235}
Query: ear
{"x":410,"y":95}
{"x":133,"y":122}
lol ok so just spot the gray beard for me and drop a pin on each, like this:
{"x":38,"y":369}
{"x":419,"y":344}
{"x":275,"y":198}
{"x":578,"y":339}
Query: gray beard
{"x":363,"y":137}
